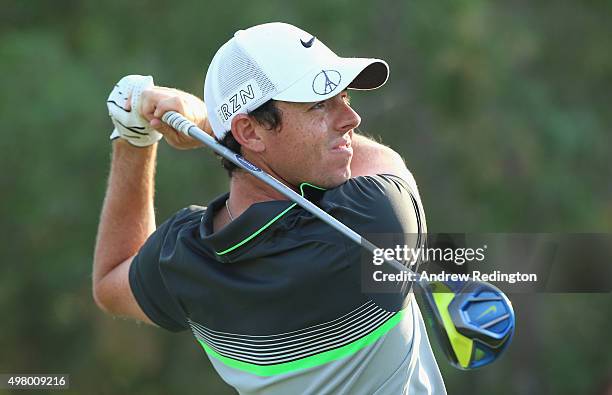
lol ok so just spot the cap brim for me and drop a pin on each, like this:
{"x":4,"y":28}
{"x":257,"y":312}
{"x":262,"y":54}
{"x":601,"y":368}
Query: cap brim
{"x":335,"y":76}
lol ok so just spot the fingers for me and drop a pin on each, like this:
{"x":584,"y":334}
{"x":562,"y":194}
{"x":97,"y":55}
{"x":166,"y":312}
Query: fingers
{"x":169,"y":104}
{"x":155,"y":102}
{"x":148,"y":103}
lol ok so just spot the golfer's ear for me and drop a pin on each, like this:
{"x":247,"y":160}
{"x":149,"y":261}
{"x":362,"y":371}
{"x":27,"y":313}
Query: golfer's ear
{"x":246,"y":131}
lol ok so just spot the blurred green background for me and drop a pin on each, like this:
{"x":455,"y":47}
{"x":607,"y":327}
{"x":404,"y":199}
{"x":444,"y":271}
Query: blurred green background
{"x":501,"y":110}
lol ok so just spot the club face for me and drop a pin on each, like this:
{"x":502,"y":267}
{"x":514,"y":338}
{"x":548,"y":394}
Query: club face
{"x":474,"y":321}
{"x":481,"y":312}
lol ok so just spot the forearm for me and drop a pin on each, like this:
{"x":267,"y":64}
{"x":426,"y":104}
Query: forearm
{"x":370,"y":157}
{"x":128,"y":216}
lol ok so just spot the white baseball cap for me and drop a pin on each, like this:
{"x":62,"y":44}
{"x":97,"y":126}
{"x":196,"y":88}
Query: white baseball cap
{"x":281,"y":62}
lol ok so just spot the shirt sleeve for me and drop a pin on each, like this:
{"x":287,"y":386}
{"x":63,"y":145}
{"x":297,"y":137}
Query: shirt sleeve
{"x":378,"y":204}
{"x":385,"y":210}
{"x":147,"y":280}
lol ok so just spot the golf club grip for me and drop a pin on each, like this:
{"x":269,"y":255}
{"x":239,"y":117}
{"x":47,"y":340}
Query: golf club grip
{"x":178,"y":122}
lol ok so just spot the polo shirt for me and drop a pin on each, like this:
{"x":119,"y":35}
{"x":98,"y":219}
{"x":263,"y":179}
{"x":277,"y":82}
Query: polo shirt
{"x":275,"y":297}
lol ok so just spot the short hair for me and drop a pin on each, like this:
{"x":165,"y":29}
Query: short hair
{"x":267,"y":115}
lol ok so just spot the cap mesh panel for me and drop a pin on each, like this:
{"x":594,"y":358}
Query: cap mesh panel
{"x":236,"y":68}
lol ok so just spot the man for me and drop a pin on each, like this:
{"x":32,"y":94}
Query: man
{"x":272,"y":294}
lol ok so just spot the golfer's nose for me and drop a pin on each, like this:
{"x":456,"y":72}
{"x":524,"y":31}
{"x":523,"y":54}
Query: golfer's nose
{"x":347,"y":117}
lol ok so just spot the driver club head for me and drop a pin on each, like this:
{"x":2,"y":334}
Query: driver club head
{"x":474,"y":321}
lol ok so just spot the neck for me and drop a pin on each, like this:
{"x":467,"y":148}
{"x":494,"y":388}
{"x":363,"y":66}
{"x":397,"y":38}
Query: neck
{"x":246,"y":190}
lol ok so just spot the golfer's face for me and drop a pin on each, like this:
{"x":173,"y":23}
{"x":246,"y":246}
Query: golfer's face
{"x":314,"y":143}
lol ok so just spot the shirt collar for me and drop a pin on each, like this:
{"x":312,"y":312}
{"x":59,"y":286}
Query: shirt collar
{"x":244,"y":230}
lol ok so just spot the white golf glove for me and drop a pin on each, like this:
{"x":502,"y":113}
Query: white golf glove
{"x":131,"y":125}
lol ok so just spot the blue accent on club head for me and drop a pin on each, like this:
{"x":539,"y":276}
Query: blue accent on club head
{"x":483,"y":312}
{"x":500,"y":327}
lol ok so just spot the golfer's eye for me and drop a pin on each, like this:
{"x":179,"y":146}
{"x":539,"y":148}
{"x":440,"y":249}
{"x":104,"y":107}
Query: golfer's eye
{"x":318,"y":105}
{"x":346,"y":98}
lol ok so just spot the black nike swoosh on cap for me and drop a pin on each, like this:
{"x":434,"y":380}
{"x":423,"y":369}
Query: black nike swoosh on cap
{"x":308,"y":43}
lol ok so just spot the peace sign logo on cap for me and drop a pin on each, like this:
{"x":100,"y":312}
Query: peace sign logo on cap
{"x":326,"y":82}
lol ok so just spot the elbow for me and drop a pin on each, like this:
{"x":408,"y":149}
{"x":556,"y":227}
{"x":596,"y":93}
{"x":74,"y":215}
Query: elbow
{"x":110,"y":286}
{"x":108,"y":280}
{"x":103,"y":296}
{"x":99,"y":298}
{"x":97,"y":291}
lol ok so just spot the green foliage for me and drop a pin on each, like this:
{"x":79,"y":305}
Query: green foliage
{"x":500,"y":109}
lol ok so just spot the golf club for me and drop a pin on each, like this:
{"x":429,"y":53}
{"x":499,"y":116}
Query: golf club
{"x":474,"y":321}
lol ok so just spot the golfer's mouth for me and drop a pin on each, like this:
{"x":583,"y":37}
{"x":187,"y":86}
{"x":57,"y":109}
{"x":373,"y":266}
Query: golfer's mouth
{"x":343,"y":146}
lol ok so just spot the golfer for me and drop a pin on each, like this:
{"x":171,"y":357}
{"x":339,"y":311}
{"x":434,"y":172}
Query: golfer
{"x":272,"y":294}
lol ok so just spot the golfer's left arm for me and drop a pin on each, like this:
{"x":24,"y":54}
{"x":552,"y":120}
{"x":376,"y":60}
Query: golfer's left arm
{"x":370,"y":158}
{"x":126,"y":222}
